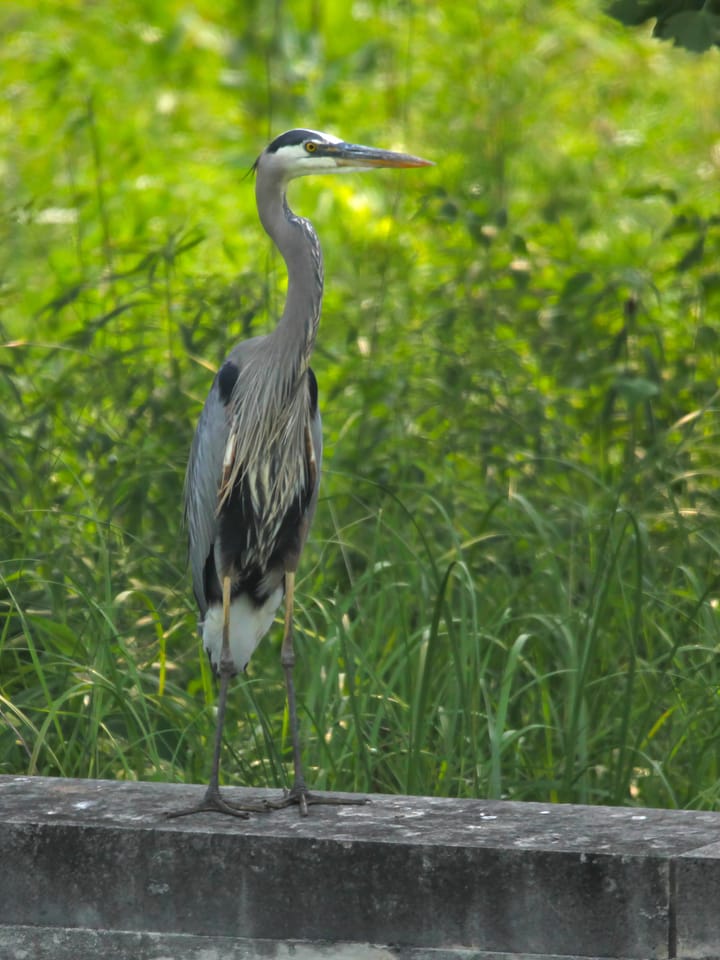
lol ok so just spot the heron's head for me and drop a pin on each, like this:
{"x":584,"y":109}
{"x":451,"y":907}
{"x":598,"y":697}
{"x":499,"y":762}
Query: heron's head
{"x":300,"y":153}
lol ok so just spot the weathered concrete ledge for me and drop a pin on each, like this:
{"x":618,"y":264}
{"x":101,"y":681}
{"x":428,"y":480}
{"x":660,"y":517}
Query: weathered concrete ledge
{"x":93,"y":868}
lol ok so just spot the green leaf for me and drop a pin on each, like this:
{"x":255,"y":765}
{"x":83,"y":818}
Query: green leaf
{"x":633,"y":12}
{"x":576,"y":283}
{"x":636,"y":389}
{"x":694,"y":254}
{"x":696,"y":30}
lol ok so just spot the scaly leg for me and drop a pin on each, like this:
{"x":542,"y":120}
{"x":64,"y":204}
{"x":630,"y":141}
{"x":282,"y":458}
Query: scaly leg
{"x":213,"y":802}
{"x":299,"y":793}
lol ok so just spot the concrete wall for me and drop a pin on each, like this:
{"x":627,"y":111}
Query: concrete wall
{"x":91,"y":868}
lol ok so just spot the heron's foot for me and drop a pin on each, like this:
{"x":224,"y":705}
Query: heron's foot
{"x":213,"y":802}
{"x":300,"y":795}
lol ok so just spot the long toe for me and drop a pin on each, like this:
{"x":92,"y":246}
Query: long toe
{"x":213,"y":802}
{"x":303,"y":798}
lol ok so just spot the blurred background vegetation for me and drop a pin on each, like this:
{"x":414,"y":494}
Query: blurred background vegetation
{"x":512,"y":585}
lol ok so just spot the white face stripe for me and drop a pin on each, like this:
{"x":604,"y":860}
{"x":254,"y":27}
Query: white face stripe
{"x":294,"y":160}
{"x":297,"y":161}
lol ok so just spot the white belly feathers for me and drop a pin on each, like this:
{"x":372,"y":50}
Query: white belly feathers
{"x":248,"y":625}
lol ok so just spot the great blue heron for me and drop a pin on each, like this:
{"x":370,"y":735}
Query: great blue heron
{"x":252,"y":479}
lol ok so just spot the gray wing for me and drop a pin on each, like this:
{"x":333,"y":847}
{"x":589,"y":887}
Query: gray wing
{"x":317,"y":446}
{"x":202,"y":482}
{"x":206,"y":467}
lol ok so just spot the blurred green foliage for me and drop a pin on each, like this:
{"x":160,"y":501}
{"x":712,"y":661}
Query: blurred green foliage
{"x":512,"y":584}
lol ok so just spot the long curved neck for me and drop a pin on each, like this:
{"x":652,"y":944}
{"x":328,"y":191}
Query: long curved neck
{"x":295,"y":238}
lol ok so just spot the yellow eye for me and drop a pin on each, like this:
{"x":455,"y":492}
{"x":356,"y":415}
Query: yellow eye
{"x":310,"y":147}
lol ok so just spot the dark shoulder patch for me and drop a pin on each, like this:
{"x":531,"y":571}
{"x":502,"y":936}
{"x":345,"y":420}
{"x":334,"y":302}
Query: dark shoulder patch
{"x":313,"y":391}
{"x":211,"y":583}
{"x":290,"y":138}
{"x":226,"y":378}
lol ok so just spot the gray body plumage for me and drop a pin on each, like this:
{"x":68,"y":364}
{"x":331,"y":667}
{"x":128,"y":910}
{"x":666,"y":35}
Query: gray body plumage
{"x":254,"y":468}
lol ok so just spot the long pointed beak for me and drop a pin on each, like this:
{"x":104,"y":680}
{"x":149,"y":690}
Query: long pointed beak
{"x":355,"y":155}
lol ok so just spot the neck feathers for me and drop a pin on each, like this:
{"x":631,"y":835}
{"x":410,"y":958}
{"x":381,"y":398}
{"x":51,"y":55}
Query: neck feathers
{"x":295,"y":238}
{"x":298,"y":325}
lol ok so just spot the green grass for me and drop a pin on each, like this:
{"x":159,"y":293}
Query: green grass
{"x":512,"y":585}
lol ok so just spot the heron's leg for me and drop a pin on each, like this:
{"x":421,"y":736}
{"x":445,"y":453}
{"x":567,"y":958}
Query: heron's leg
{"x":213,"y":802}
{"x":287,"y":658}
{"x":299,"y":793}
